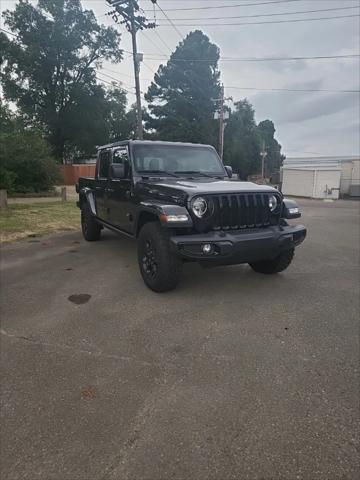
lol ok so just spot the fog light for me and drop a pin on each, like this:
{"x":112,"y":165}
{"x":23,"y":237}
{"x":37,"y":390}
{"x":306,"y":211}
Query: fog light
{"x":207,"y":248}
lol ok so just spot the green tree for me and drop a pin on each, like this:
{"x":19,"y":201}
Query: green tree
{"x":274,"y":158}
{"x":121,"y":123}
{"x":181,"y":97}
{"x":26,"y":164}
{"x":48,"y":68}
{"x":241,"y":140}
{"x":6,"y":118}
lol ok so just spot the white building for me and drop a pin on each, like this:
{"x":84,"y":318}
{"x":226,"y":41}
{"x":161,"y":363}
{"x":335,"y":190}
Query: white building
{"x":321,"y":177}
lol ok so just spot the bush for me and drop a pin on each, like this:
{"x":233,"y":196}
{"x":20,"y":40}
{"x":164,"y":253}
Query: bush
{"x":7,"y":180}
{"x":26,"y":163}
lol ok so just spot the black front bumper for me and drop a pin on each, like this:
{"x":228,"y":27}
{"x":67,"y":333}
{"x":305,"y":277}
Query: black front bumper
{"x":241,"y":246}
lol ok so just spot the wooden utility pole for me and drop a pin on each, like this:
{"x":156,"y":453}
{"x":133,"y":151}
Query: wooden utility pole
{"x":128,"y":10}
{"x":221,"y":123}
{"x":222,"y":115}
{"x":136,"y":73}
{"x":263,"y":155}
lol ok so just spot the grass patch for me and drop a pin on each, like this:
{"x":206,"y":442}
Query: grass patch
{"x":33,"y":219}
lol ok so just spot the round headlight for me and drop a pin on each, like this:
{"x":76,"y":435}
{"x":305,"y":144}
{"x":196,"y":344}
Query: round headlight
{"x":273,"y":202}
{"x":199,"y":207}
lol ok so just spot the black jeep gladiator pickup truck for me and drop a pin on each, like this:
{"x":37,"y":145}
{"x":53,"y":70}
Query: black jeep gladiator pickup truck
{"x":178,"y":201}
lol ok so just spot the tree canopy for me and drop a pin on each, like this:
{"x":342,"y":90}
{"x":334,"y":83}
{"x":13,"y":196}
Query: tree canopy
{"x":181,"y":97}
{"x":48,"y":68}
{"x":241,"y":142}
{"x":274,"y":159}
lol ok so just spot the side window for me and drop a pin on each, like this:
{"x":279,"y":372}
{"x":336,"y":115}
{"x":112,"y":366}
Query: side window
{"x":120,"y":155}
{"x":104,"y":164}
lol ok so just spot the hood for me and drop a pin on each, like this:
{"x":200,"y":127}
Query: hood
{"x":178,"y":189}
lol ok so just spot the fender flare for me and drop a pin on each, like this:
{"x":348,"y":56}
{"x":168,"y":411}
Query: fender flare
{"x":162,"y":212}
{"x":89,"y":198}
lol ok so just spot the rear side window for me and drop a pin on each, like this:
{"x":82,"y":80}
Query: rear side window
{"x":120,"y":155}
{"x":104,"y":164}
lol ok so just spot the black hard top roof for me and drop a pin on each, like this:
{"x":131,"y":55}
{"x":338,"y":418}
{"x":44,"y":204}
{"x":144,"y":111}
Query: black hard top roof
{"x":150,"y":142}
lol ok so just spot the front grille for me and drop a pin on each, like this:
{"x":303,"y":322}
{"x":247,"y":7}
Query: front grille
{"x":238,"y":211}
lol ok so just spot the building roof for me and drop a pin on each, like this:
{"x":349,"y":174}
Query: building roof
{"x":318,"y":163}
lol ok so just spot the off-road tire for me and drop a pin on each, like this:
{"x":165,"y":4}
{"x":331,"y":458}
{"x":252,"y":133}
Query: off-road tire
{"x":91,"y":230}
{"x":276,"y":265}
{"x":159,"y":266}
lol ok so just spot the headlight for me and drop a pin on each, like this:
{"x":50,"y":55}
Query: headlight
{"x":273,"y":202}
{"x":199,"y":206}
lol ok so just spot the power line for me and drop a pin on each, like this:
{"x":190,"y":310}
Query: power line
{"x":293,"y":90}
{"x":115,"y":79}
{"x":111,"y":83}
{"x":270,"y":14}
{"x":122,"y":74}
{"x":258,"y":23}
{"x":149,"y":68}
{"x":254,"y":59}
{"x":171,"y":22}
{"x":228,"y":6}
{"x":155,"y":45}
{"x":9,"y":33}
{"x":162,"y":41}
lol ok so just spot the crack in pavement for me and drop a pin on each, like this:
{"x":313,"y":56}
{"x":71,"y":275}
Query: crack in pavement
{"x":97,"y":353}
{"x":119,"y":464}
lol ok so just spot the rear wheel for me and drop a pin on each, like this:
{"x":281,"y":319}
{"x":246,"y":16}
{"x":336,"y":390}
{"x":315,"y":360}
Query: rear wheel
{"x":91,"y":230}
{"x":159,"y":266}
{"x":276,"y":265}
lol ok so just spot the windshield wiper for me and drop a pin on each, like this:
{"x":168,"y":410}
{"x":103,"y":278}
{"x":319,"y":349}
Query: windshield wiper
{"x":197,"y":172}
{"x":145,"y":172}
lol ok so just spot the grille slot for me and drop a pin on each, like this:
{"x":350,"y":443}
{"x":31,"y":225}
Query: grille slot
{"x":239,"y":211}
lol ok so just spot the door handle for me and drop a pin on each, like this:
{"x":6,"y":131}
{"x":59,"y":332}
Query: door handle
{"x":98,"y":188}
{"x":109,"y":190}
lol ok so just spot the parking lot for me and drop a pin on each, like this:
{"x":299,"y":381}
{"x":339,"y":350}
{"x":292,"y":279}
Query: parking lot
{"x":234,"y":375}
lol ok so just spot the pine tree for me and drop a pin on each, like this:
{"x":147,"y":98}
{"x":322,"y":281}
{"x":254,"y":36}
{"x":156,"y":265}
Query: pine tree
{"x":181,"y":97}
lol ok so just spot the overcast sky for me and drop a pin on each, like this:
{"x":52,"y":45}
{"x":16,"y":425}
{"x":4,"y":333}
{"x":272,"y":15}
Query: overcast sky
{"x":307,"y":123}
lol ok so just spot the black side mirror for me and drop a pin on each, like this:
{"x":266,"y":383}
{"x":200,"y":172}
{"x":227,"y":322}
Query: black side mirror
{"x":117,"y":171}
{"x":229,"y":170}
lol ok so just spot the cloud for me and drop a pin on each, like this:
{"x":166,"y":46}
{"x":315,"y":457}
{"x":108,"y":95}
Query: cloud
{"x":313,"y":108}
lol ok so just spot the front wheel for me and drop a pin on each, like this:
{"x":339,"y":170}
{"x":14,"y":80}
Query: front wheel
{"x":159,"y":266}
{"x":276,"y":265}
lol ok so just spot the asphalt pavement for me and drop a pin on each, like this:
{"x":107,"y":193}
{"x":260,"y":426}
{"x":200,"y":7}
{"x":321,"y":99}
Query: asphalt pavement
{"x":234,"y":375}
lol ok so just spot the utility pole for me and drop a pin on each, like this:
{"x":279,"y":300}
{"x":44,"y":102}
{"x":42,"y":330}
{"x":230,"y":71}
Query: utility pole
{"x":133,"y":21}
{"x":263,"y":155}
{"x":222,"y":116}
{"x":221,"y":123}
{"x":136,"y":73}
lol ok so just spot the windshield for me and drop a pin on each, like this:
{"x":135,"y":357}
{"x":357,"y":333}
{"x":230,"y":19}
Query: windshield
{"x":177,"y":159}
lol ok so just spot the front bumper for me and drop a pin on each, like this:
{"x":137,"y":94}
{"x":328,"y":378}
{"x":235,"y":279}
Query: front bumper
{"x":241,"y":246}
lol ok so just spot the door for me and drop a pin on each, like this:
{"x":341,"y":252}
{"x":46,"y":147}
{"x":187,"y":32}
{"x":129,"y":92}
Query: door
{"x":102,"y":175}
{"x":118,"y":193}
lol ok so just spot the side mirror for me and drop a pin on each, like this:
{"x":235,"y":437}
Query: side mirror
{"x":117,"y":171}
{"x":229,"y":171}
